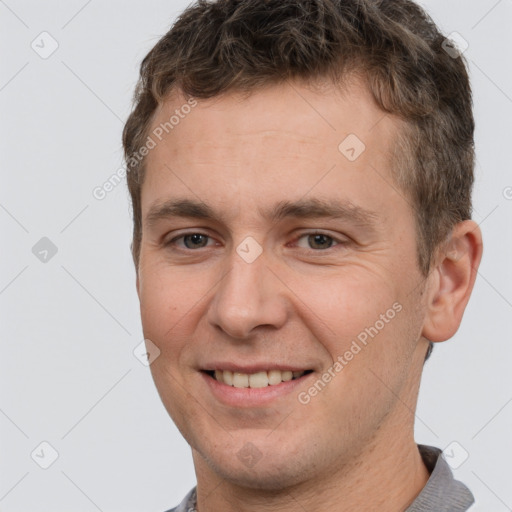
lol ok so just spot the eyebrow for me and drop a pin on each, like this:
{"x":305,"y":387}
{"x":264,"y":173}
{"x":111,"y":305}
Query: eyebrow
{"x":313,"y":208}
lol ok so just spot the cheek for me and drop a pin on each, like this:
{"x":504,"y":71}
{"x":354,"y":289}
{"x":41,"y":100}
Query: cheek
{"x":164,"y":304}
{"x":167,"y":313}
{"x":172,"y":306}
{"x":342,"y":304}
{"x":367,"y":330}
{"x":167,"y":295}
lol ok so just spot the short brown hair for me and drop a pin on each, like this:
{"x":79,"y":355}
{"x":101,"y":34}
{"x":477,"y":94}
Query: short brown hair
{"x":393,"y":45}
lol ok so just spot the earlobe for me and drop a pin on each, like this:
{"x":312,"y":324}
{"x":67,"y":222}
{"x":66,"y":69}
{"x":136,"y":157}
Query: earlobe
{"x":452,"y":281}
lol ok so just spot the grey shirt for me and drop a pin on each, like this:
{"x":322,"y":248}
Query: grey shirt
{"x":442,"y":493}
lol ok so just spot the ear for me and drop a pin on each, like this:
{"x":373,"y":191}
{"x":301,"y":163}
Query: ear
{"x":452,"y":280}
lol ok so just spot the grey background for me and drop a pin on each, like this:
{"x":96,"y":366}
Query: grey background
{"x":69,"y":325}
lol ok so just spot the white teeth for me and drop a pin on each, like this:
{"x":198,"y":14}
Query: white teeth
{"x":240,"y":380}
{"x":274,"y":377}
{"x":287,"y":376}
{"x":228,"y":377}
{"x":255,"y":380}
{"x":258,"y":380}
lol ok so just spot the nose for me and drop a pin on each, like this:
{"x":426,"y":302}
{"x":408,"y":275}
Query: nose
{"x":247,"y":297}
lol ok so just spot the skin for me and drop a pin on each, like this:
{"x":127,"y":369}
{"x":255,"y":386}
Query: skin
{"x":299,"y":303}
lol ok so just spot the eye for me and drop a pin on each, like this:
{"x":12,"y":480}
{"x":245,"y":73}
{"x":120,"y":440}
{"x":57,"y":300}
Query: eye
{"x":318,"y":241}
{"x":191,"y":241}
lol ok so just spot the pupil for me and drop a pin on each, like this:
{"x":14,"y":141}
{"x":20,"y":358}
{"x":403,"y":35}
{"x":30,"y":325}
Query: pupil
{"x":196,"y":239}
{"x":318,"y":239}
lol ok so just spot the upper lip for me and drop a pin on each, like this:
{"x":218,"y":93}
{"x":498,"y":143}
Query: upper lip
{"x":255,"y":367}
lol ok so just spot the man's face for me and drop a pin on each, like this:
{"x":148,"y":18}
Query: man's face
{"x":246,"y":292}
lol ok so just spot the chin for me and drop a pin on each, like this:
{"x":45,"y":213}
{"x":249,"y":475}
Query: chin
{"x":266,"y":478}
{"x":273,"y":472}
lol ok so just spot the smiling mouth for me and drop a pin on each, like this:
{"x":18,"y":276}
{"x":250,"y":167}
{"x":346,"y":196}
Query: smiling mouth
{"x":255,"y":380}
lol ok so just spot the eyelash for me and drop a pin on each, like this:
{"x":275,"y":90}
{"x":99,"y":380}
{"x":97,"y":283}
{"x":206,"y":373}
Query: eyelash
{"x":337,"y":241}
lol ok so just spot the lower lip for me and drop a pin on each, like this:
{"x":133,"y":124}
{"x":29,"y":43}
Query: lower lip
{"x":252,"y":397}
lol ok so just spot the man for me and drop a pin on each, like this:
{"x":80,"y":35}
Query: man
{"x":301,"y":174}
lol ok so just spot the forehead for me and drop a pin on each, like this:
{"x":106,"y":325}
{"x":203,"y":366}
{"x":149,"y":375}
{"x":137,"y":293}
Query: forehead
{"x":309,"y":112}
{"x":281,"y":140}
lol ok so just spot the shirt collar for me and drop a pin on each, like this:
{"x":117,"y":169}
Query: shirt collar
{"x":442,"y":493}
